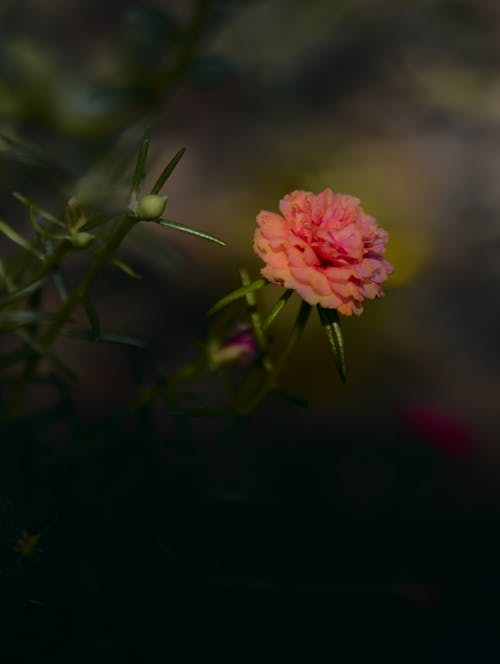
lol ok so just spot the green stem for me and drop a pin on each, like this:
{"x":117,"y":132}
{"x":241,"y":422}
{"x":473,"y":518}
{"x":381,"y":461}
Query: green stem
{"x":74,"y":299}
{"x":271,"y":383}
{"x":298,"y":328}
{"x":190,"y":44}
{"x":122,"y":229}
{"x":256,"y":323}
{"x":277,"y":308}
{"x":240,"y":418}
{"x":52,"y":261}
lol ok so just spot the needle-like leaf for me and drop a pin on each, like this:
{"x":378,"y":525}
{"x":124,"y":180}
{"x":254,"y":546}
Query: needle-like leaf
{"x":126,"y":268}
{"x":92,"y":316}
{"x":176,"y":226}
{"x":140,"y":166}
{"x":36,"y":208}
{"x":105,"y":337}
{"x":277,"y":308}
{"x":167,"y":171}
{"x":18,"y":239}
{"x":16,"y":295}
{"x":256,"y":322}
{"x":331,"y":325}
{"x":14,"y":318}
{"x":237,"y":294}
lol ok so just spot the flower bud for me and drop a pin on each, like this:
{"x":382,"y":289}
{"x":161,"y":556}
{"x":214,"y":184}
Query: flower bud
{"x":74,"y":216}
{"x":151,"y":206}
{"x":81,"y":240}
{"x":239,"y":347}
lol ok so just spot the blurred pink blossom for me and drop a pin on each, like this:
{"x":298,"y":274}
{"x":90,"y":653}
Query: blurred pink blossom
{"x":443,"y":429}
{"x":239,"y":347}
{"x":326,"y":248}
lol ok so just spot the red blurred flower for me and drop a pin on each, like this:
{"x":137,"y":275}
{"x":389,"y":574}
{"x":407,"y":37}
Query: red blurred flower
{"x":443,"y":429}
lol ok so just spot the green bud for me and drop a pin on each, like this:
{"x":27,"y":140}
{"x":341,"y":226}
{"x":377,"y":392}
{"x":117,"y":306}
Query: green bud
{"x":81,"y":240}
{"x":151,"y":206}
{"x":74,"y":216}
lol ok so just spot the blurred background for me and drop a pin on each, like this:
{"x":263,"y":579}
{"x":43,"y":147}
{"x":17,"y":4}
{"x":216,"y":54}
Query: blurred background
{"x":386,"y":486}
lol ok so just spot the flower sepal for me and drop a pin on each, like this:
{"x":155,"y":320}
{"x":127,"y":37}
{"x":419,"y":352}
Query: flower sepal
{"x":331,"y":325}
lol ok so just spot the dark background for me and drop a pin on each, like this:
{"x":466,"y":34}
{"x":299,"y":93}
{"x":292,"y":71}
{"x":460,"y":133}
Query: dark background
{"x":365,"y":524}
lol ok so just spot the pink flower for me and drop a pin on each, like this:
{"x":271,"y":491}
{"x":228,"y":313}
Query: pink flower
{"x":326,"y":248}
{"x":445,"y":430}
{"x":239,"y":347}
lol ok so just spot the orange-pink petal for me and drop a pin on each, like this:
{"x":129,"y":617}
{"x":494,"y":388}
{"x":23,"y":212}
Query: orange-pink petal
{"x":326,"y":248}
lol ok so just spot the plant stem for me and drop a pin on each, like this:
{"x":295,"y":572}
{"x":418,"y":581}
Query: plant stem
{"x":52,"y":261}
{"x":122,"y":229}
{"x":256,"y":322}
{"x":187,"y":52}
{"x":241,"y":416}
{"x":271,"y":383}
{"x":74,"y":299}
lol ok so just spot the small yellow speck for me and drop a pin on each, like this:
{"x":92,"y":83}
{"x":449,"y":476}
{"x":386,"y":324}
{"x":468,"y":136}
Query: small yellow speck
{"x":27,"y":544}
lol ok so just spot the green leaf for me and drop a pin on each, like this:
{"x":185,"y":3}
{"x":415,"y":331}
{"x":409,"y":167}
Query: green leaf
{"x":18,"y":239}
{"x":176,"y":226}
{"x":123,"y":340}
{"x":40,"y":230}
{"x":277,"y":308}
{"x":92,"y":316}
{"x":88,"y":335}
{"x":331,"y":325}
{"x":248,"y":403}
{"x":14,"y":296}
{"x":39,"y":349}
{"x":126,"y":268}
{"x":167,"y":171}
{"x":256,"y":322}
{"x":237,"y":294}
{"x":60,"y":284}
{"x":140,"y":167}
{"x":22,"y":199}
{"x":5,"y":280}
{"x":36,"y":208}
{"x":21,"y":317}
{"x":293,"y":398}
